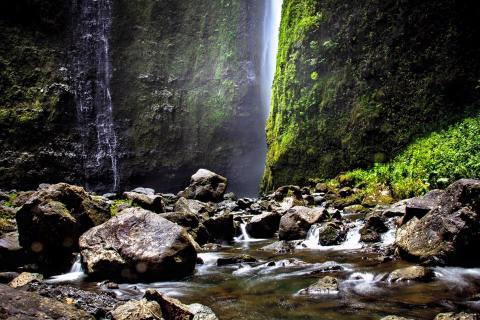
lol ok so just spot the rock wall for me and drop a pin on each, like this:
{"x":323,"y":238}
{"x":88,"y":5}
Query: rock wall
{"x":356,"y":83}
{"x":184,"y":91}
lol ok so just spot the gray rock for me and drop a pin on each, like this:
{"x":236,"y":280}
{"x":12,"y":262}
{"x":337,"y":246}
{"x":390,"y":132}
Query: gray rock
{"x":145,"y":191}
{"x":332,"y":233}
{"x":326,"y":285}
{"x":148,"y":202}
{"x":264,"y":225}
{"x":138,"y":245}
{"x":206,"y":186}
{"x":220,"y":228}
{"x":457,"y":316}
{"x":298,"y":220}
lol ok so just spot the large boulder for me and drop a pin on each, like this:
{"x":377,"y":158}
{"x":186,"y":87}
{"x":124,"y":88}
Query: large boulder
{"x":146,"y":201}
{"x":138,"y":245}
{"x":12,"y":255}
{"x":195,"y":207}
{"x":332,"y":233}
{"x":374,"y":226}
{"x":206,"y":186}
{"x":450,"y":232}
{"x":413,"y":273}
{"x":19,"y":304}
{"x":220,"y":227}
{"x":264,"y":225}
{"x":420,"y":206}
{"x":138,"y":310}
{"x":297,"y":221}
{"x":52,"y":220}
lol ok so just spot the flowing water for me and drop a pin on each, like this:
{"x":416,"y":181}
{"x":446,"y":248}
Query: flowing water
{"x":269,"y":289}
{"x":92,"y":72}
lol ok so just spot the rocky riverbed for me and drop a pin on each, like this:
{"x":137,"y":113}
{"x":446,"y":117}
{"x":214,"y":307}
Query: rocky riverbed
{"x":298,"y":253}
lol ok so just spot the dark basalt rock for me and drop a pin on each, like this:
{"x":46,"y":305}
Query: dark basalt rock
{"x":206,"y":186}
{"x":138,"y":245}
{"x":420,"y":206}
{"x":264,"y":225}
{"x":52,"y":220}
{"x":19,"y":304}
{"x":146,"y":201}
{"x":449,"y":233}
{"x":244,"y":258}
{"x":332,"y":233}
{"x":220,"y":228}
{"x":297,"y":221}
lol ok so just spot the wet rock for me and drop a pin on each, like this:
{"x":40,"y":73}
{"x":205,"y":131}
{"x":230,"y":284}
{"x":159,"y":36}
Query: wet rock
{"x":244,"y":203}
{"x":173,"y":309}
{"x":12,"y":255}
{"x":457,"y":316}
{"x":332,"y":233}
{"x":356,"y":208}
{"x":397,"y":209}
{"x":19,"y":304}
{"x":137,"y":310}
{"x":148,"y":202}
{"x":321,"y":187}
{"x":145,"y":191}
{"x":52,"y":220}
{"x":420,"y":206}
{"x":345,"y":192}
{"x":25,"y":278}
{"x":288,"y":263}
{"x":4,"y":196}
{"x":193,"y":207}
{"x":326,"y":285}
{"x":374,"y":226}
{"x":22,"y":198}
{"x":138,"y":245}
{"x":191,"y":223}
{"x":6,"y":277}
{"x":220,"y":228}
{"x":395,"y":318}
{"x":206,"y":186}
{"x":281,"y":247}
{"x":413,"y":273}
{"x":449,"y":233}
{"x":209,"y":247}
{"x":97,"y":304}
{"x":230,"y":196}
{"x":264,"y":225}
{"x":298,"y":220}
{"x":318,"y":199}
{"x":244,"y":258}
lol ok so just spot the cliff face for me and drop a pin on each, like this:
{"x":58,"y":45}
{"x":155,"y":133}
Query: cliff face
{"x":183,"y":88}
{"x":37,"y":111}
{"x":356,"y":83}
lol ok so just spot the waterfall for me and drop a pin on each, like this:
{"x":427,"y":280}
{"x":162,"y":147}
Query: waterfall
{"x":75,"y":274}
{"x":270,"y":35}
{"x":92,"y":72}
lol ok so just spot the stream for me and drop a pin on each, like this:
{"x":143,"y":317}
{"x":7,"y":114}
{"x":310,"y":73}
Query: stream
{"x":268,"y":289}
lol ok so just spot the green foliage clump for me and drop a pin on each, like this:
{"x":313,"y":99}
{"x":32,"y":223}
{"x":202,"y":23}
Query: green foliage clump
{"x":117,"y":203}
{"x":430,"y":162}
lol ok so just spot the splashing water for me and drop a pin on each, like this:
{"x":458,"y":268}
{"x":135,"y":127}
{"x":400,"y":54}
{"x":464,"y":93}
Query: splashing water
{"x":75,"y":274}
{"x":352,"y":241}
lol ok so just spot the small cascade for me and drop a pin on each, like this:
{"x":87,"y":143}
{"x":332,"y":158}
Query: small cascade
{"x":363,"y":283}
{"x":245,"y":237}
{"x":352,"y":241}
{"x":91,"y":73}
{"x":75,"y":274}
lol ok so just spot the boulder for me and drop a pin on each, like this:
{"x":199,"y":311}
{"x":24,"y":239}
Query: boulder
{"x":413,"y":273}
{"x":173,"y":309}
{"x":298,"y":220}
{"x":374,"y":226}
{"x":12,"y":255}
{"x":420,"y":206}
{"x":145,"y":191}
{"x":449,"y":233}
{"x":457,"y":316}
{"x":326,"y":285}
{"x":220,"y":228}
{"x":19,"y":304}
{"x":332,"y":233}
{"x":146,"y":201}
{"x":137,"y":310}
{"x":6,"y":277}
{"x":96,"y":304}
{"x":206,"y":186}
{"x":264,"y":225}
{"x":244,"y":258}
{"x":191,"y":223}
{"x":281,"y":247}
{"x":138,"y":245}
{"x":52,"y":220}
{"x":22,"y":198}
{"x":195,"y":207}
{"x":25,"y":278}
{"x":397,"y":209}
{"x":395,"y":318}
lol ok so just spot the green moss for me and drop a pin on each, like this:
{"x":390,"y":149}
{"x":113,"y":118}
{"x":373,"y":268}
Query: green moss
{"x":431,"y":162}
{"x":117,"y":203}
{"x":355,"y":85}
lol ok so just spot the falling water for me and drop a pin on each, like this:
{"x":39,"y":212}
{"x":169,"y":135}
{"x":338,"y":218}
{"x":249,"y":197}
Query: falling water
{"x":270,"y":31}
{"x":92,"y":72}
{"x":76,"y":273}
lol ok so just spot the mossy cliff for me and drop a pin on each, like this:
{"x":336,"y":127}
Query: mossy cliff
{"x":36,"y":107}
{"x":357,"y":83}
{"x":184,"y":90}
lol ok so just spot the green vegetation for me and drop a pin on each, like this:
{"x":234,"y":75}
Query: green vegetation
{"x":355,"y":84}
{"x":431,"y":162}
{"x":118,"y":203}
